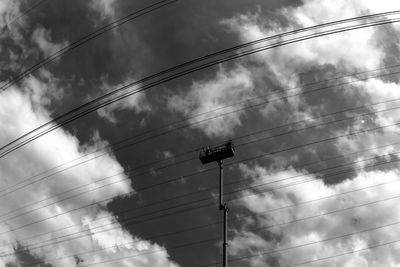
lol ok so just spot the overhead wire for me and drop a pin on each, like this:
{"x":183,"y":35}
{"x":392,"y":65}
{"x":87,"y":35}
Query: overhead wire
{"x":289,"y":222}
{"x":8,"y":148}
{"x":82,"y":40}
{"x":167,"y":200}
{"x":261,"y":253}
{"x":256,"y":229}
{"x":169,"y":165}
{"x":23,"y":14}
{"x":114,"y":146}
{"x":126,"y":221}
{"x":152,"y":237}
{"x":242,"y":161}
{"x":24,"y":183}
{"x":128,"y":17}
{"x":183,"y":73}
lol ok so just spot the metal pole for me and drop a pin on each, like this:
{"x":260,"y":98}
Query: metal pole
{"x":222,"y":206}
{"x":225,"y":244}
{"x":221,"y":185}
{"x":218,"y":154}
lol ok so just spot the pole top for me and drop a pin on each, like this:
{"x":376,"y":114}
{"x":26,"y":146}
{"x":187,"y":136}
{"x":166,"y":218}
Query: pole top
{"x":217,"y":153}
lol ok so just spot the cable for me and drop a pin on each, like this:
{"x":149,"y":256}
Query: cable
{"x":173,"y":164}
{"x":235,"y":218}
{"x":185,"y":210}
{"x":313,"y":243}
{"x":130,"y":209}
{"x":348,"y":252}
{"x":86,"y":38}
{"x":127,"y":243}
{"x":169,"y":131}
{"x":113,"y":145}
{"x":27,"y":11}
{"x":191,"y":124}
{"x":160,"y":82}
{"x":267,"y":227}
{"x":164,"y":80}
{"x":269,"y":252}
{"x":231,"y":49}
{"x":252,"y":158}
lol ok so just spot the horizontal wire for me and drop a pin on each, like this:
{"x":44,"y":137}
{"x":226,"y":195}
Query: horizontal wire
{"x":255,"y":229}
{"x":295,"y":147}
{"x":114,"y":182}
{"x":285,"y":97}
{"x":112,"y":148}
{"x":130,"y":209}
{"x":85,"y":39}
{"x":173,"y":164}
{"x":260,"y":253}
{"x":348,"y":252}
{"x":184,"y":210}
{"x":175,"y":76}
{"x":26,"y":12}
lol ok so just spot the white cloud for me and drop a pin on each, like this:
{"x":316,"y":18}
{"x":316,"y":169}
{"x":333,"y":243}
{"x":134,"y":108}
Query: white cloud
{"x":357,"y":48}
{"x":19,"y":115}
{"x":225,"y":88}
{"x":347,"y":52}
{"x":105,"y":8}
{"x":136,"y":102}
{"x":9,"y":10}
{"x":323,"y":227}
{"x":42,"y":38}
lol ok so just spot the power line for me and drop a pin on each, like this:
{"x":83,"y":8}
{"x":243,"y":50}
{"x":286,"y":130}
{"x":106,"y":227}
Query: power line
{"x":129,"y":243}
{"x":85,"y":39}
{"x":127,"y":18}
{"x":184,"y":210}
{"x":316,"y":242}
{"x":173,"y":164}
{"x":26,"y":12}
{"x":252,"y":158}
{"x":79,"y":113}
{"x":348,"y":252}
{"x":130,"y":209}
{"x":260,"y":228}
{"x":23,"y":183}
{"x":113,"y":145}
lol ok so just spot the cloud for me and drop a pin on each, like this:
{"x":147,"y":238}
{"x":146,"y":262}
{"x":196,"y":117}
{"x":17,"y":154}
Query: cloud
{"x":281,"y":67}
{"x":287,"y":66}
{"x":8,"y":11}
{"x":136,"y":102}
{"x":104,"y":8}
{"x":294,"y":66}
{"x":227,"y":87}
{"x":20,"y":111}
{"x":42,"y":38}
{"x":249,"y":241}
{"x":355,"y":45}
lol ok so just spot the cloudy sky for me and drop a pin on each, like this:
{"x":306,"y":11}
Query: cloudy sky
{"x":314,"y":115}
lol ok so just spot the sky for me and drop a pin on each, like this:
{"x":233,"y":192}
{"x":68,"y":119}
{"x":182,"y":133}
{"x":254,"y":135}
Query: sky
{"x":315,"y":125}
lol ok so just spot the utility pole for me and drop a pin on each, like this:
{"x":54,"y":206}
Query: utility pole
{"x":218,"y":154}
